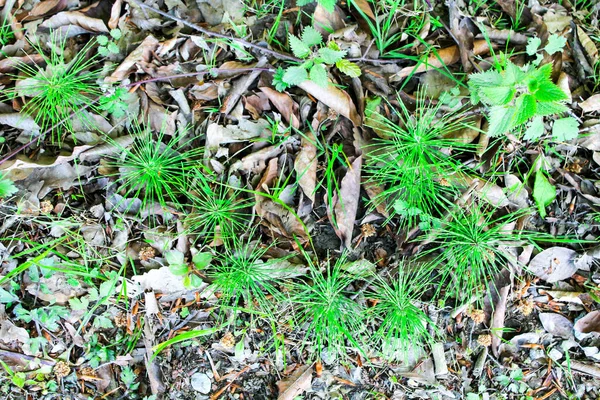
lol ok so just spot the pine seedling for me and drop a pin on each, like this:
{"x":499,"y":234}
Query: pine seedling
{"x":243,"y":281}
{"x":54,"y":92}
{"x":410,"y":161}
{"x":218,"y":210}
{"x":154,"y":169}
{"x":323,"y":304}
{"x":403,"y":325}
{"x":6,"y":33}
{"x":519,"y":98}
{"x":475,"y":249}
{"x":316,"y":57}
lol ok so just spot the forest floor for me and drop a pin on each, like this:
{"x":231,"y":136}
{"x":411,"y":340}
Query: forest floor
{"x":287,"y":199}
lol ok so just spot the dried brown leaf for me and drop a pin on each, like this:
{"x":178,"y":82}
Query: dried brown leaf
{"x":76,"y":18}
{"x":554,"y":264}
{"x":557,"y":325}
{"x":346,"y":206}
{"x":296,"y":384}
{"x":284,"y":104}
{"x":589,"y":323}
{"x":45,"y":8}
{"x":142,"y":53}
{"x":334,"y":98}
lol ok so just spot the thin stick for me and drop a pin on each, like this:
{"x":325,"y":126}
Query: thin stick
{"x":192,"y":74}
{"x":277,"y":54}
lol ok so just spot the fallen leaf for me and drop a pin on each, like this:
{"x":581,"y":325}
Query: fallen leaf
{"x":296,"y":384}
{"x":589,"y":323}
{"x":447,"y":56}
{"x":554,"y":264}
{"x":365,"y":7}
{"x":11,"y":63}
{"x":284,"y":104}
{"x":45,"y":8}
{"x":334,"y":98}
{"x":591,"y":104}
{"x":557,"y":325}
{"x":217,"y":135}
{"x":498,"y":317}
{"x":141,"y":53}
{"x":76,"y":18}
{"x":305,"y":166}
{"x":346,"y":205}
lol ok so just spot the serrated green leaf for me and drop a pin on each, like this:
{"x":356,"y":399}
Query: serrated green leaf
{"x":278,"y":82}
{"x":331,"y":56}
{"x":7,"y":187}
{"x":555,"y":44}
{"x":550,"y":108}
{"x":328,"y":5}
{"x":525,"y":108}
{"x":349,"y":68}
{"x":500,"y":118}
{"x":533,"y":44}
{"x":299,"y":48}
{"x":542,"y":74}
{"x":295,"y":75}
{"x":116,"y":34}
{"x":318,"y":75}
{"x":498,"y":95}
{"x":548,"y":91}
{"x":535,"y":129}
{"x":102,"y":40}
{"x":565,"y":129}
{"x":489,"y":78}
{"x":513,"y":74}
{"x":544,"y":193}
{"x":311,"y":36}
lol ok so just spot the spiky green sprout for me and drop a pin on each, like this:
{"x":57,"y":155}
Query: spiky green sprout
{"x":410,"y":160}
{"x":243,"y":279}
{"x":403,"y":326}
{"x":6,"y":33}
{"x":59,"y":89}
{"x":333,"y":320}
{"x":218,"y":210}
{"x":476,"y":247}
{"x":155,"y":168}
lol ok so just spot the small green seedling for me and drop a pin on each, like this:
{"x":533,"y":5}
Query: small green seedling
{"x":518,"y":96}
{"x":313,"y":67}
{"x":179,"y":267}
{"x":328,"y":5}
{"x":7,"y":187}
{"x":108,"y":45}
{"x":555,"y":44}
{"x":6,"y":33}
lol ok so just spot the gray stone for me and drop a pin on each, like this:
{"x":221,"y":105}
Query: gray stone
{"x":201,"y":382}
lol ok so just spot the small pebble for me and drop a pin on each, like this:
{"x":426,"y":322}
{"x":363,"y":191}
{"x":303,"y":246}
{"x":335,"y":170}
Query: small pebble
{"x":201,"y":382}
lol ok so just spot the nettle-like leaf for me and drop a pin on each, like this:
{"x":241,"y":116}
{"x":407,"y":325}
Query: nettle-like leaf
{"x":331,"y":56}
{"x":544,"y":192}
{"x":278,"y":82}
{"x":555,"y":44}
{"x":295,"y":75}
{"x":299,"y":48}
{"x":565,"y":129}
{"x":311,"y":36}
{"x":525,"y":108}
{"x":348,"y":68}
{"x":499,"y":95}
{"x":549,"y":92}
{"x":7,"y":187}
{"x":533,"y":44}
{"x":318,"y":74}
{"x":500,"y":120}
{"x":535,"y":129}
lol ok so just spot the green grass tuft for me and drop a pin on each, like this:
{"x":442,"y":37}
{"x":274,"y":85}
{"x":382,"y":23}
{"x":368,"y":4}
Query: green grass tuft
{"x":155,"y":169}
{"x":403,"y":325}
{"x":59,"y":89}
{"x":323,"y":303}
{"x":410,"y":159}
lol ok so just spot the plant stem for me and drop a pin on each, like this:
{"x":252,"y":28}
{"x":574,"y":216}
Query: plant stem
{"x":277,"y":54}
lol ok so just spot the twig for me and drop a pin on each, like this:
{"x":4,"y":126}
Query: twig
{"x":192,"y":74}
{"x":277,"y":54}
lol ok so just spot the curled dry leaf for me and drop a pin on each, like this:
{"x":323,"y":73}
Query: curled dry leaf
{"x":447,"y":56}
{"x":346,"y":205}
{"x":557,"y":325}
{"x":305,"y":166}
{"x":142,"y":53}
{"x":76,"y":18}
{"x":589,"y":323}
{"x":591,"y":104}
{"x":296,"y":384}
{"x":284,"y":104}
{"x":334,"y":98}
{"x":554,"y":264}
{"x":45,"y":8}
{"x":498,"y":317}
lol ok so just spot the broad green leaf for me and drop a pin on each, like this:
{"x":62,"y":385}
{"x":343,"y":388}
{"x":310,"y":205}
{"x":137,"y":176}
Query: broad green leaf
{"x":195,"y":281}
{"x":565,"y":129}
{"x":542,"y":74}
{"x":555,"y":44}
{"x":295,"y":75}
{"x":489,"y":78}
{"x":102,"y":40}
{"x":513,"y":74}
{"x":116,"y":34}
{"x":331,"y":56}
{"x":498,"y":95}
{"x":301,"y":3}
{"x":299,"y":48}
{"x":113,"y":48}
{"x":550,"y":108}
{"x":525,"y":108}
{"x":535,"y":129}
{"x":349,"y":68}
{"x":7,"y":187}
{"x":178,"y":269}
{"x":278,"y":82}
{"x":7,"y":297}
{"x":174,"y":257}
{"x":328,"y":5}
{"x":544,"y":192}
{"x":533,"y":44}
{"x":311,"y":36}
{"x":318,"y":75}
{"x":548,"y":91}
{"x":500,"y":118}
{"x":202,"y":260}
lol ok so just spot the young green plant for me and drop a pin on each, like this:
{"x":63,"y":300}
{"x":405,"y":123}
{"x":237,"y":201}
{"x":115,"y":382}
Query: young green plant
{"x":323,"y":304}
{"x":314,"y":63}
